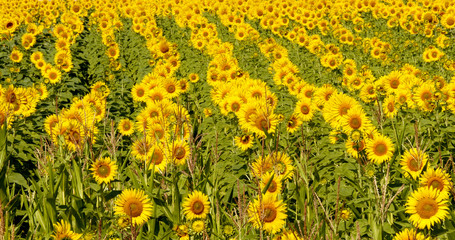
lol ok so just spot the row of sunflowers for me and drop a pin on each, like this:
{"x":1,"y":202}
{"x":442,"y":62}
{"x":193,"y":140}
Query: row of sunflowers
{"x":227,"y":119}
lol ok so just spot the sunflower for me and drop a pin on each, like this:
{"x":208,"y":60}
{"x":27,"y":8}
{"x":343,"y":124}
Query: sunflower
{"x":409,"y":234}
{"x":424,"y":95}
{"x":337,"y":106}
{"x":293,"y":123}
{"x":50,"y":123}
{"x":323,"y":94}
{"x":181,"y":230}
{"x":368,"y":92}
{"x":142,"y":149}
{"x":448,"y":21}
{"x":113,"y":52}
{"x":234,"y":103}
{"x":273,"y":182}
{"x":194,"y":77}
{"x":244,"y":142}
{"x":62,"y":230}
{"x":139,"y":93}
{"x":355,"y":147}
{"x":267,"y":213}
{"x":16,"y":56}
{"x":346,"y":214}
{"x":42,"y":91}
{"x":427,"y":207}
{"x":157,"y":94}
{"x":438,"y":179}
{"x":104,"y":170}
{"x":355,"y":119}
{"x":40,"y":64}
{"x":196,"y":205}
{"x":134,"y":204}
{"x":172,"y":87}
{"x":54,"y":75}
{"x":28,"y":40}
{"x":263,"y":122}
{"x":305,"y":109}
{"x":180,"y":152}
{"x":126,"y":127}
{"x":413,"y":161}
{"x":158,"y":159}
{"x":288,"y":235}
{"x":392,"y":81}
{"x":198,"y":226}
{"x":379,"y":149}
{"x":36,"y":56}
{"x":389,"y":106}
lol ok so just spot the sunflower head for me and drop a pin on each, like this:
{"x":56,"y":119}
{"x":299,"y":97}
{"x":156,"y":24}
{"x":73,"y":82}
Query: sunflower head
{"x":104,"y":170}
{"x":196,"y":205}
{"x":413,"y":161}
{"x":379,"y":149}
{"x":427,"y":206}
{"x":267,"y":213}
{"x":134,"y":204}
{"x":62,"y":230}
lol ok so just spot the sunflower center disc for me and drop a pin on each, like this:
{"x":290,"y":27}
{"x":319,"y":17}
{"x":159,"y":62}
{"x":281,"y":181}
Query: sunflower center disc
{"x":436,"y":184}
{"x":140,"y":93}
{"x":103,"y":171}
{"x":264,"y":125}
{"x":179,"y":153}
{"x":355,"y":123}
{"x":414,"y":164}
{"x":198,"y":207}
{"x":245,"y":139}
{"x":171,"y":89}
{"x":133,"y":209}
{"x":305,"y":109}
{"x":157,"y":158}
{"x":272,"y":187}
{"x":390,"y":107}
{"x":427,"y":208}
{"x":269,"y":214}
{"x":380,"y":149}
{"x":344,"y":110}
{"x":394,"y":83}
{"x":235,"y":107}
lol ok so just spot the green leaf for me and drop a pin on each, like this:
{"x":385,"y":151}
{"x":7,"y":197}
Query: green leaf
{"x":18,"y":179}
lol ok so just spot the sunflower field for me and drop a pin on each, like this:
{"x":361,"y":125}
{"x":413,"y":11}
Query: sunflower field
{"x":227,"y":119}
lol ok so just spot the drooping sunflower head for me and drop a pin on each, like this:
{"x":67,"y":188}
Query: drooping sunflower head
{"x":134,"y":204}
{"x":196,"y":205}
{"x":104,"y":170}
